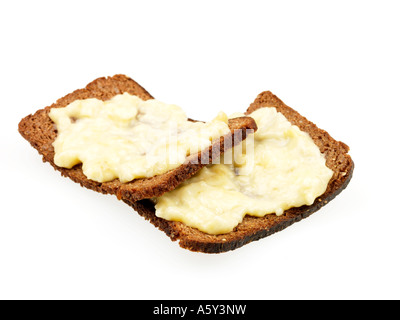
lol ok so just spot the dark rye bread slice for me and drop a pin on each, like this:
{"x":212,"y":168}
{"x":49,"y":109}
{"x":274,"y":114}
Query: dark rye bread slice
{"x":253,"y":228}
{"x":41,"y":132}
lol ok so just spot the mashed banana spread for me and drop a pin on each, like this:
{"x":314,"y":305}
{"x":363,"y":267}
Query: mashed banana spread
{"x":285,"y":170}
{"x":128,"y":138}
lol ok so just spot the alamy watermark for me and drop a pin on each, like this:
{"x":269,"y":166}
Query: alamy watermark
{"x":236,"y":148}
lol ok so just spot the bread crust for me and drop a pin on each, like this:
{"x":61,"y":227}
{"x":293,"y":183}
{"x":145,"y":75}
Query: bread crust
{"x":41,"y":132}
{"x":255,"y":228}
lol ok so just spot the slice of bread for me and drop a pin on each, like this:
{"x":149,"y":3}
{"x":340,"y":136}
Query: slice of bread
{"x":41,"y":132}
{"x":254,"y":228}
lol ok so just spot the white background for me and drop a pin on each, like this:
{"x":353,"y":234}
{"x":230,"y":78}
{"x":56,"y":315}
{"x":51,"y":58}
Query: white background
{"x":336,"y":62}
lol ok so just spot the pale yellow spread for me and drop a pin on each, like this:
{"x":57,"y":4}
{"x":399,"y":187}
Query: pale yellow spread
{"x":128,"y":138}
{"x":286,"y":170}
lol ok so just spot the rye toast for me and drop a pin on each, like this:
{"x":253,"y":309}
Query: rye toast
{"x":41,"y":132}
{"x":255,"y":228}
